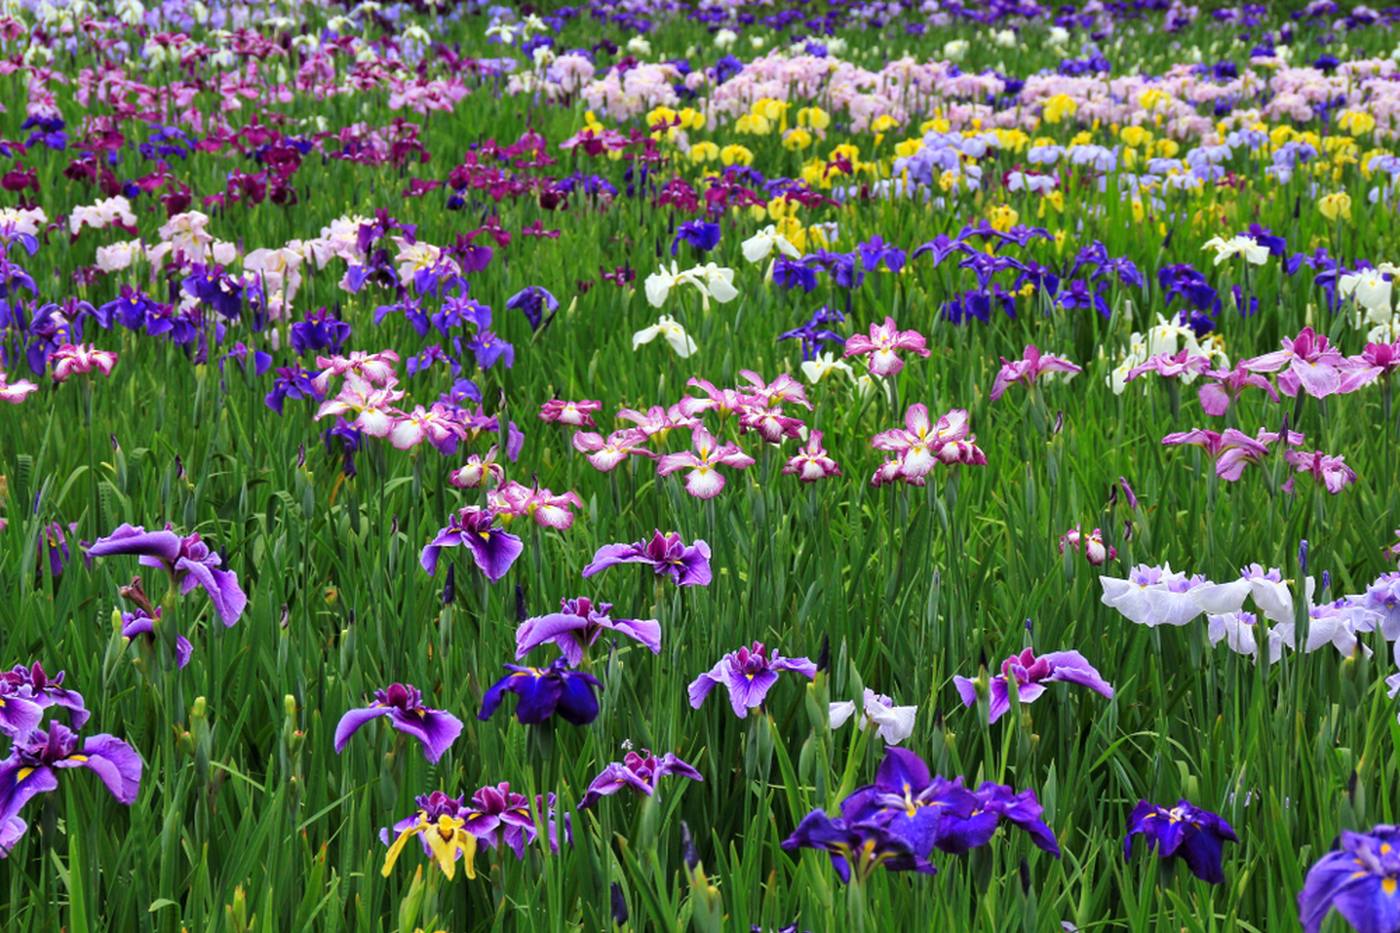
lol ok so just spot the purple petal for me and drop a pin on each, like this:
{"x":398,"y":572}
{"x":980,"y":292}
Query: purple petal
{"x":1071,"y":667}
{"x":495,"y":553}
{"x":117,"y":764}
{"x":610,"y":555}
{"x":351,"y":722}
{"x":133,"y":539}
{"x":967,"y":690}
{"x":434,"y":729}
{"x":559,"y":627}
{"x":221,"y":585}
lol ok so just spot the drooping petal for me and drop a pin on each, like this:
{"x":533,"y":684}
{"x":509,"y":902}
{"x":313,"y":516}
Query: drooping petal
{"x":351,"y":722}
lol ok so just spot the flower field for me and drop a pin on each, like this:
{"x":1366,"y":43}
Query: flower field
{"x":705,"y":465}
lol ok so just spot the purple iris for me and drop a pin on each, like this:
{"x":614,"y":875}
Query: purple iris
{"x":25,"y":692}
{"x":1359,"y":879}
{"x":545,"y":692}
{"x":188,"y":560}
{"x":701,"y":234}
{"x":639,"y":771}
{"x":875,"y":251}
{"x":141,"y":622}
{"x":55,"y":542}
{"x":210,"y":285}
{"x":291,"y":382}
{"x":533,"y":301}
{"x":1185,"y":831}
{"x":929,"y":811}
{"x":748,"y":674}
{"x":474,"y":528}
{"x":434,"y":729}
{"x":1031,"y":673}
{"x":577,"y":625}
{"x":816,"y":332}
{"x":33,"y":764}
{"x":490,"y":349}
{"x":320,"y":331}
{"x":856,"y":846}
{"x":499,"y":816}
{"x":668,"y":555}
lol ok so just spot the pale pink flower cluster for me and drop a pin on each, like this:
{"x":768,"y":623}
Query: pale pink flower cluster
{"x":634,"y":92}
{"x":757,"y":406}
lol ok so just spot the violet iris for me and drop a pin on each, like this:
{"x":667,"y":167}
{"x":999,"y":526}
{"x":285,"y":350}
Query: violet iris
{"x":434,"y":729}
{"x":639,"y":771}
{"x":1031,"y":673}
{"x":545,"y":692}
{"x":1185,"y":831}
{"x":474,"y":528}
{"x":34,"y":762}
{"x":748,"y":674}
{"x":1359,"y":879}
{"x":188,"y":560}
{"x":668,"y":556}
{"x":577,"y":625}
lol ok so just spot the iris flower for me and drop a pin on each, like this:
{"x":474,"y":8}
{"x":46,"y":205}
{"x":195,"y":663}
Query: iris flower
{"x":884,"y":344}
{"x":373,"y":407}
{"x":533,"y":301}
{"x":17,"y":391}
{"x":498,"y":816}
{"x":1359,"y":879}
{"x":574,"y":414}
{"x":670,"y":329}
{"x":1253,"y":252}
{"x":704,"y":481}
{"x":710,"y":280}
{"x":1306,"y":362}
{"x":492,"y":549}
{"x":762,"y":244}
{"x":748,"y":674}
{"x":856,"y":847}
{"x":1232,"y":450}
{"x":607,"y":454}
{"x":545,"y":692}
{"x":577,"y":625}
{"x":1031,"y":673}
{"x":1154,"y":596}
{"x":1185,"y":831}
{"x":1226,"y":386}
{"x":439,"y":825}
{"x":639,"y":771}
{"x":921,"y":444}
{"x":34,"y":762}
{"x":141,"y":622}
{"x":25,"y":692}
{"x":929,"y":811}
{"x":893,"y":723}
{"x":378,"y":369}
{"x":71,"y":360}
{"x":1031,"y":366}
{"x":1331,"y":471}
{"x":479,"y":470}
{"x":811,"y":462}
{"x":188,"y":560}
{"x":1241,"y":632}
{"x":516,"y":500}
{"x":1092,"y":544}
{"x":666,"y":554}
{"x":434,"y":729}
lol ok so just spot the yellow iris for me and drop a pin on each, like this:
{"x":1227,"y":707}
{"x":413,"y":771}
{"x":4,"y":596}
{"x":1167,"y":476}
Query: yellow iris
{"x":1336,"y":206}
{"x":445,"y":838}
